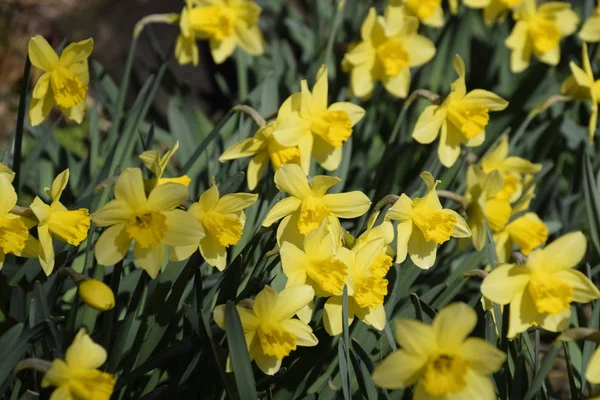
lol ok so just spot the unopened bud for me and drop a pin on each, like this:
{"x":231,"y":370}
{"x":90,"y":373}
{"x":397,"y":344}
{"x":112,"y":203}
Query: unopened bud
{"x":96,"y":294}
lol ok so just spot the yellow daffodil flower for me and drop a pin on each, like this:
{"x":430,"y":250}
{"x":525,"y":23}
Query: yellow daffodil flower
{"x":221,"y":221}
{"x":227,"y":24}
{"x":590,"y":31}
{"x":158,"y":164}
{"x":527,"y":231}
{"x":541,"y":290}
{"x":55,"y":221}
{"x":319,"y":129}
{"x":96,"y":294}
{"x":309,"y":204}
{"x":497,"y":9}
{"x":462,"y":118}
{"x":269,"y":327}
{"x":151,"y":222}
{"x":538,"y":32}
{"x":423,"y":225}
{"x":263,"y":147}
{"x":582,"y":86}
{"x":390,"y":46}
{"x":186,"y":49}
{"x":429,"y":12}
{"x":78,"y":376}
{"x":64,"y":82}
{"x":441,"y":359}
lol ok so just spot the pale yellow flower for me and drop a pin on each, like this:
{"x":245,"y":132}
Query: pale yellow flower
{"x":64,"y":82}
{"x":158,"y":164}
{"x":540,"y":291}
{"x":590,"y":31}
{"x":462,"y":118}
{"x":429,"y":12}
{"x":441,"y":359}
{"x":538,"y":32}
{"x":390,"y":46}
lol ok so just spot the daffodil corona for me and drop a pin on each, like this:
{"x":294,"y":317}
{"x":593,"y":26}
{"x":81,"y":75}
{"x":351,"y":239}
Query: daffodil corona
{"x":441,"y":359}
{"x":64,"y":82}
{"x":462,"y":118}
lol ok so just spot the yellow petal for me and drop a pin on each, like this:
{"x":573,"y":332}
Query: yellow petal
{"x":293,"y":264}
{"x":319,"y":92}
{"x":374,"y":317}
{"x":332,"y":315}
{"x":459,"y":88}
{"x":398,"y":85}
{"x":42,"y":100}
{"x":521,"y":166}
{"x":222,"y":50}
{"x":590,"y":31}
{"x":250,"y":39}
{"x":347,"y":205}
{"x":453,"y":324}
{"x":41,"y":54}
{"x":288,"y":231}
{"x":9,"y":196}
{"x":303,"y":332}
{"x":422,"y":252}
{"x":291,"y":129}
{"x":180,"y":253}
{"x":59,"y":184}
{"x":150,"y":259}
{"x":186,"y":50}
{"x":83,"y":353}
{"x":245,"y":148}
{"x":113,"y":212}
{"x":362,"y":81}
{"x":270,"y":365}
{"x":328,"y":156}
{"x":234,"y":202}
{"x":356,"y":113}
{"x":130,"y":188}
{"x":76,"y":53}
{"x":256,"y":169}
{"x":404,"y":230}
{"x":402,"y":209}
{"x":400,"y":369}
{"x":415,"y":336}
{"x":213,"y":252}
{"x":281,"y":209}
{"x":208,"y":199}
{"x":47,"y":255}
{"x":182,"y":230}
{"x":555,"y":257}
{"x":290,"y":105}
{"x":521,"y":47}
{"x":505,"y":283}
{"x":592,"y":371}
{"x":566,"y":20}
{"x":322,"y":183}
{"x":449,"y":146}
{"x":490,"y":100}
{"x":290,"y":178}
{"x":290,"y":300}
{"x":584,"y":290}
{"x":482,"y":356}
{"x":112,"y":245}
{"x":495,"y":156}
{"x":421,"y":50}
{"x":75,"y":113}
{"x":167,"y":196}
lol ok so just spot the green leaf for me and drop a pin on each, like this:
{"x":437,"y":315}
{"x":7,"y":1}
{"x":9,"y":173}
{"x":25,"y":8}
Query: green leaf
{"x":240,"y":359}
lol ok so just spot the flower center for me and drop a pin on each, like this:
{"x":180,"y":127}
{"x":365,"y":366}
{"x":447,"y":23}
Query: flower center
{"x":544,"y":33}
{"x":276,"y":341}
{"x":329,"y":274}
{"x":393,"y":56}
{"x":446,"y":373}
{"x":335,"y":127}
{"x":13,"y":235}
{"x":370,"y":291}
{"x":497,"y":212}
{"x":70,"y":226}
{"x":281,"y":155}
{"x":528,"y":233}
{"x":312,"y":212}
{"x":423,"y":8}
{"x":550,"y":294}
{"x":147,"y":229}
{"x":225,"y":228}
{"x":215,"y":20}
{"x":67,"y":88}
{"x":469,"y":119}
{"x":436,"y":225}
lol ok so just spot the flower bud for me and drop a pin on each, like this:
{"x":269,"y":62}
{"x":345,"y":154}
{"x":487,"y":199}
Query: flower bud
{"x":96,"y":294}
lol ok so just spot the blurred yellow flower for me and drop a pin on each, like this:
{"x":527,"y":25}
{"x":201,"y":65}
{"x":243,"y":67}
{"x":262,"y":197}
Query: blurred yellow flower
{"x":390,"y":46}
{"x":319,"y":129}
{"x":64,"y":82}
{"x":497,"y":9}
{"x":538,"y":32}
{"x":55,"y":221}
{"x":96,"y":294}
{"x":221,"y":222}
{"x":582,"y":86}
{"x":151,"y":222}
{"x":186,"y":49}
{"x":269,"y":327}
{"x":263,"y":147}
{"x":227,"y":24}
{"x":158,"y":165}
{"x":441,"y":358}
{"x":541,"y":290}
{"x":78,"y":376}
{"x":462,"y":118}
{"x":309,"y":204}
{"x":423,"y":225}
{"x":429,"y":12}
{"x":527,"y":231}
{"x":590,"y":31}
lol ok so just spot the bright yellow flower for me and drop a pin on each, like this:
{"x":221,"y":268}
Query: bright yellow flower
{"x":78,"y":376}
{"x":441,"y":358}
{"x":538,"y":32}
{"x":390,"y":46}
{"x":590,"y":31}
{"x":158,"y":164}
{"x":221,"y":221}
{"x":263,"y":147}
{"x":527,"y":232}
{"x":541,"y":290}
{"x":151,"y":222}
{"x":423,"y":225}
{"x":319,"y":129}
{"x":429,"y":12}
{"x":64,"y":82}
{"x":582,"y":86}
{"x":227,"y":24}
{"x":55,"y":221}
{"x":186,"y":49}
{"x":462,"y":118}
{"x":269,"y":327}
{"x":309,"y":204}
{"x":96,"y":294}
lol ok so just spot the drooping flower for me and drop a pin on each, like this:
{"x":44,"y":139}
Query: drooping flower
{"x":269,"y":327}
{"x":429,"y":12}
{"x":581,"y":85}
{"x":538,"y":32}
{"x":64,"y":82}
{"x":150,"y":221}
{"x":318,"y":128}
{"x":78,"y":377}
{"x":227,"y":24}
{"x":423,"y":225}
{"x":55,"y":221}
{"x":590,"y":31}
{"x":441,"y":359}
{"x":221,"y":222}
{"x":541,"y":290}
{"x":309,"y":204}
{"x":263,"y":147}
{"x":390,"y":46}
{"x":158,"y":165}
{"x":462,"y":118}
{"x":96,"y":294}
